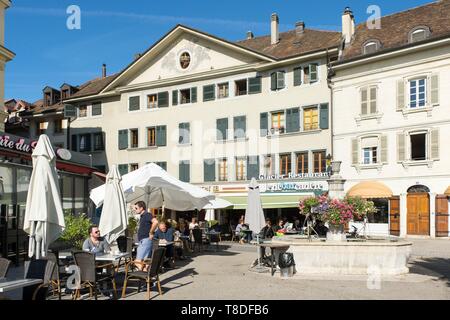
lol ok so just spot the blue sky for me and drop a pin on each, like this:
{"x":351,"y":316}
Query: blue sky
{"x":113,"y":31}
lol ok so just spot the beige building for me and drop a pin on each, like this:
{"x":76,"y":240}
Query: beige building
{"x":391,"y":119}
{"x":216,"y":113}
{"x":5,"y":56}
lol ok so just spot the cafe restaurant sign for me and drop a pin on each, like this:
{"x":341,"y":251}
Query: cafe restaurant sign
{"x":291,"y":175}
{"x":17,"y":144}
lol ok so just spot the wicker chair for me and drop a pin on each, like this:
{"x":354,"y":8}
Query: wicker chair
{"x":89,"y":276}
{"x":59,"y":275}
{"x":4,"y":267}
{"x":125,"y":245}
{"x":38,"y":269}
{"x":148,"y":276}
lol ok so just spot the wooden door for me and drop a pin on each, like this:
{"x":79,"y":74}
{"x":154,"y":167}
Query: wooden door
{"x":418,"y":216}
{"x":442,"y":216}
{"x":394,"y":216}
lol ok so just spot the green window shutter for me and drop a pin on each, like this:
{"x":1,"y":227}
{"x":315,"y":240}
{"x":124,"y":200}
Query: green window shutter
{"x":297,"y":76}
{"x":209,"y":170}
{"x":264,"y":124}
{"x":313,"y":72}
{"x":324,"y":116}
{"x":134,"y":103}
{"x":96,"y":109}
{"x":239,"y":127}
{"x":74,"y":142}
{"x":123,"y":169}
{"x":252,"y":167}
{"x":434,"y":89}
{"x":355,"y":151}
{"x":293,"y":120}
{"x":174,"y":97}
{"x":162,"y":164}
{"x":222,"y":127}
{"x":123,"y":139}
{"x":273,"y":81}
{"x":161,"y":136}
{"x":254,"y":85}
{"x":184,"y":133}
{"x":184,"y":174}
{"x":194,"y":95}
{"x":163,"y":99}
{"x":209,"y":92}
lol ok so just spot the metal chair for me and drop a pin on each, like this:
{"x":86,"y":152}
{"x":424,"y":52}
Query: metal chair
{"x":38,"y":269}
{"x":125,"y":245}
{"x":4,"y":267}
{"x":152,"y":274}
{"x":59,"y":275}
{"x":198,"y":239}
{"x":214,"y":238}
{"x":89,"y":276}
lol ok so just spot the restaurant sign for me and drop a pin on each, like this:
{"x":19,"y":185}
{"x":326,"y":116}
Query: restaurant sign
{"x":293,"y":186}
{"x":18,"y":144}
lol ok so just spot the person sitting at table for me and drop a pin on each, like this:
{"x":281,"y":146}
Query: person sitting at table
{"x":267,"y":232}
{"x":95,"y":243}
{"x":164,"y":233}
{"x":279,"y":226}
{"x":238,"y":229}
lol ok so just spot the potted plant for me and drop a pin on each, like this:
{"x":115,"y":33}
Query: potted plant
{"x":74,"y":234}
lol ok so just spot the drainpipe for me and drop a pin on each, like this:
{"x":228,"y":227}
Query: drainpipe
{"x":330,"y":73}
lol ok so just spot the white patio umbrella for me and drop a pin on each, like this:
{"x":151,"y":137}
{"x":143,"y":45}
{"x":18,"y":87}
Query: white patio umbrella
{"x":44,"y":218}
{"x":157,"y":188}
{"x":217,"y":203}
{"x":254,"y":214}
{"x":114,"y":220}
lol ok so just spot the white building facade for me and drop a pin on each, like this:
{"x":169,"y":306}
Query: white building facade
{"x":5,"y":56}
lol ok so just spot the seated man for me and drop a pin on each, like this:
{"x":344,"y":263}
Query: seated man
{"x":95,"y":243}
{"x":238,"y":229}
{"x":266,"y":233}
{"x":165,"y":234}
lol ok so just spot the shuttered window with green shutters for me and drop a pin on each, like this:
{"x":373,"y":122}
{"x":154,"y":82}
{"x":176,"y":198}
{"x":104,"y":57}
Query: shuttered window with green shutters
{"x":293,"y":120}
{"x":96,"y":109}
{"x":184,"y":133}
{"x":161,"y":136}
{"x":297,"y":76}
{"x":162,"y":164}
{"x":123,"y":169}
{"x":184,"y":174}
{"x":123,"y":139}
{"x":254,"y":85}
{"x":323,"y":121}
{"x":252,"y":167}
{"x":239,"y":127}
{"x":209,"y":92}
{"x":313,"y":72}
{"x":174,"y":97}
{"x":163,"y":99}
{"x":194,"y":95}
{"x":222,"y":128}
{"x":264,"y":124}
{"x":74,"y":142}
{"x":134,"y":103}
{"x":209,"y":170}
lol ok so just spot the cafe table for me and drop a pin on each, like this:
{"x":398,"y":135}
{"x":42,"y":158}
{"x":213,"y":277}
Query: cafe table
{"x":9,"y":285}
{"x":273,"y":247}
{"x":108,"y":257}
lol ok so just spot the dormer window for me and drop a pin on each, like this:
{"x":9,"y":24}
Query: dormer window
{"x":371,"y":46}
{"x":419,"y":34}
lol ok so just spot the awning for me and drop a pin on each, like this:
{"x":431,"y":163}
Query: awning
{"x":447,"y":192}
{"x":268,"y":201}
{"x":370,"y":189}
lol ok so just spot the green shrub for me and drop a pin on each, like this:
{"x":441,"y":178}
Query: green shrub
{"x":76,"y":230}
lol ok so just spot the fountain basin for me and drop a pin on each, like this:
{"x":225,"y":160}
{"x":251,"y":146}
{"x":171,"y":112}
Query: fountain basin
{"x":379,"y":257}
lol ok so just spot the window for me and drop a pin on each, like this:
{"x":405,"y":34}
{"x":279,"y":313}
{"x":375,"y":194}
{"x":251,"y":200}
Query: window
{"x":134,"y":103}
{"x":297,"y":76}
{"x":222,"y":128}
{"x":277,"y":122}
{"x":369,"y":100}
{"x":209,"y":93}
{"x":417,"y":93}
{"x":222,"y":90}
{"x":254,"y":85}
{"x":162,"y":164}
{"x":96,"y":109}
{"x":302,"y":162}
{"x":123,"y":169}
{"x":65,"y":94}
{"x":268,"y":165}
{"x":134,"y":166}
{"x":241,"y":87}
{"x":371,"y":47}
{"x":41,"y":128}
{"x":123,"y":139}
{"x":184,"y":171}
{"x":98,"y":141}
{"x":241,"y":169}
{"x":184,"y":133}
{"x":152,"y":101}
{"x":310,"y":118}
{"x":134,"y":138}
{"x":277,"y":80}
{"x":320,"y":161}
{"x":418,"y":147}
{"x":285,"y":164}
{"x":239,"y":127}
{"x":82,"y":111}
{"x":223,"y":169}
{"x":419,"y":34}
{"x":310,"y":73}
{"x":151,"y":137}
{"x":370,"y":155}
{"x":185,"y":96}
{"x":57,"y":126}
{"x":84,"y":143}
{"x":382,"y":213}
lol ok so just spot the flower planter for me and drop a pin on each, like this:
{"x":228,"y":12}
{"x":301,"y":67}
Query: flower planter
{"x":336,"y":233}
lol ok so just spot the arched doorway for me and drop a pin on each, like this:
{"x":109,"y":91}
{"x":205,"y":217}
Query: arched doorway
{"x":418,"y":210}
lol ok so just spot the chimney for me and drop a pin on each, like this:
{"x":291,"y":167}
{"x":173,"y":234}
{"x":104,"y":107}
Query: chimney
{"x":299,"y":27}
{"x":274,"y":32}
{"x":104,"y":71}
{"x":348,"y":25}
{"x":137,"y":56}
{"x":250,"y":35}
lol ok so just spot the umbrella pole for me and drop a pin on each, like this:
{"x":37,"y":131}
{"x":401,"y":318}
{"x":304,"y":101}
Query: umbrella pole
{"x":163,"y":208}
